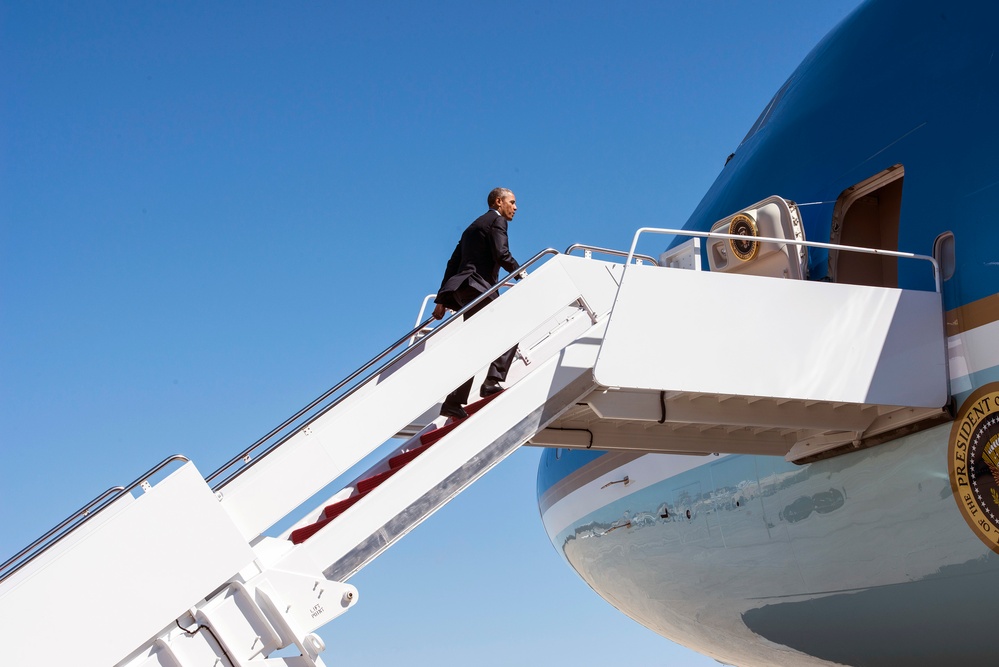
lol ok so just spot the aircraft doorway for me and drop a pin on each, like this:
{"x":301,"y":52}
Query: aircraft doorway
{"x":867,"y":214}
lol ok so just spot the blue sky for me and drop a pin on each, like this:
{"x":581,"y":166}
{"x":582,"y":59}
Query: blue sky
{"x":212,"y":212}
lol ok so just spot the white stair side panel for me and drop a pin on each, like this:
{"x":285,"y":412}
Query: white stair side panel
{"x":122,"y":583}
{"x":337,"y":440}
{"x":430,"y":480}
{"x":719,"y":333}
{"x":66,"y":542}
{"x":914,"y":353}
{"x":546,"y":344}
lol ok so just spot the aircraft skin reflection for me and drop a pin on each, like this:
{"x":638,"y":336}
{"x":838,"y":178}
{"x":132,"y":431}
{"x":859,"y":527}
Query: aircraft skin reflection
{"x":865,"y":558}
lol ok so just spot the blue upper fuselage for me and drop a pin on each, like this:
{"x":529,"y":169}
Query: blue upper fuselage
{"x":910,"y":82}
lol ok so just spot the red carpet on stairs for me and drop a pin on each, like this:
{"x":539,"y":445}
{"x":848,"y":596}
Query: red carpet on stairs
{"x":399,"y":460}
{"x":366,"y":485}
{"x":369,"y":483}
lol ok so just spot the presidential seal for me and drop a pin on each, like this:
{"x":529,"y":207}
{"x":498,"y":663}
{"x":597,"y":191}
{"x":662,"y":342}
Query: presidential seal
{"x":743,"y":225}
{"x":973,"y":458}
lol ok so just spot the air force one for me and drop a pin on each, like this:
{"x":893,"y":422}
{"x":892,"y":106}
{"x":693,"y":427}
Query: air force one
{"x":819,"y":526}
{"x":777,"y":443}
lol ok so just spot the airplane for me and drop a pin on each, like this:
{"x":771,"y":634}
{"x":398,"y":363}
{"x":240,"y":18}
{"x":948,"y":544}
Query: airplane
{"x":775,"y":454}
{"x":875,"y":543}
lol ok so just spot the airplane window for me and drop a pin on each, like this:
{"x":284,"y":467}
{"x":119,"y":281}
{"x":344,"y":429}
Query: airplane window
{"x":943,"y":252}
{"x":765,"y":116}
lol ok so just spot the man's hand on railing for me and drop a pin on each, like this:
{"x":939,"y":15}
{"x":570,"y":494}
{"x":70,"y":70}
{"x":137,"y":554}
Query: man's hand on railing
{"x":517,"y":277}
{"x":439,"y":311}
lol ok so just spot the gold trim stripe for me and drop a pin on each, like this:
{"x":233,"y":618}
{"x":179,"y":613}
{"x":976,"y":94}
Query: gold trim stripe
{"x":972,"y":315}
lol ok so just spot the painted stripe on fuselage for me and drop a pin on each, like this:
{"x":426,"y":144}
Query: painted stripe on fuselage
{"x":973,"y":357}
{"x":972,"y":315}
{"x":586,"y":495}
{"x":584,"y":475}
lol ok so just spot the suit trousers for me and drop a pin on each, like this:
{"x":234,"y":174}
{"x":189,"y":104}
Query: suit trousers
{"x":497,"y":369}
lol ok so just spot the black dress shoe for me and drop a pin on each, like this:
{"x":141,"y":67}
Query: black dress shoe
{"x":490,"y":387}
{"x":456,"y":411}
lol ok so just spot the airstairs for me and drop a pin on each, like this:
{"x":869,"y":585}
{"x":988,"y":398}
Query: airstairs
{"x":179,"y":570}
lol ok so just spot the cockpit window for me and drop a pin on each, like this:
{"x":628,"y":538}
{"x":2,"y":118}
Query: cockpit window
{"x":767,"y":111}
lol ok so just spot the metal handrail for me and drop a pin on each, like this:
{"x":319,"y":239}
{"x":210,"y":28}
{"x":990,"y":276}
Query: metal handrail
{"x":84,"y":511}
{"x":608,"y":251}
{"x":796,"y":242}
{"x":88,"y":512}
{"x":419,"y":317}
{"x":249,"y":462}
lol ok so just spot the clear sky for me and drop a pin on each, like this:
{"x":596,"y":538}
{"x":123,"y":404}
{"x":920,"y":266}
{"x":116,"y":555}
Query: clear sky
{"x":211,"y":212}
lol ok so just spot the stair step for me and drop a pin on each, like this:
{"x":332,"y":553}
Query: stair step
{"x":472,"y":408}
{"x":399,"y":460}
{"x":330,"y":512}
{"x":336,"y":509}
{"x":299,"y":535}
{"x":369,"y":483}
{"x":433,"y":436}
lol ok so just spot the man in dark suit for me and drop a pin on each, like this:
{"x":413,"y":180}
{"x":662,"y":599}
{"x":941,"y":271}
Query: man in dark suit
{"x":473,"y":269}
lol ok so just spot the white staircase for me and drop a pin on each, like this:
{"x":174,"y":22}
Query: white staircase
{"x":185,"y":575}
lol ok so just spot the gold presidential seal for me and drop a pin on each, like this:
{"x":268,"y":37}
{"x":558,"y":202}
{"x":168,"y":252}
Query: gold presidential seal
{"x":973,"y":461}
{"x":743,"y":225}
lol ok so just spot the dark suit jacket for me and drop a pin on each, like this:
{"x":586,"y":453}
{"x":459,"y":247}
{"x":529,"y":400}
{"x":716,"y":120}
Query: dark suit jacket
{"x":475,"y":263}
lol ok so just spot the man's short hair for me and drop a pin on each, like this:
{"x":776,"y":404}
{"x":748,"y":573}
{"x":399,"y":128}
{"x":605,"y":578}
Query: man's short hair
{"x":496,"y":195}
